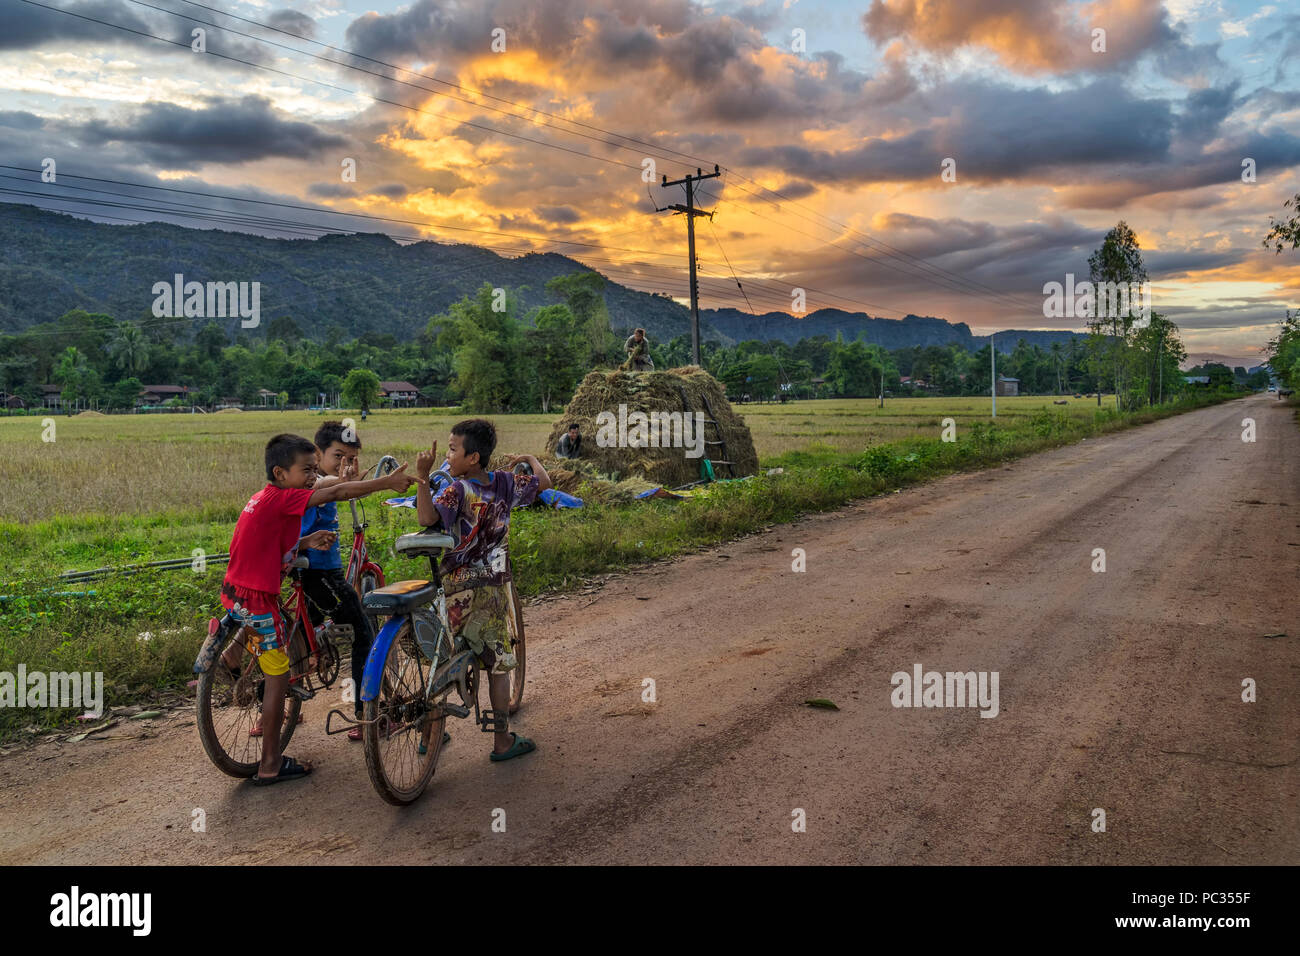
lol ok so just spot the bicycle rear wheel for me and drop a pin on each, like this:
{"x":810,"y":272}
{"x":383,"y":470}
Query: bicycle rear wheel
{"x":228,"y":706}
{"x":515,"y":621}
{"x":397,"y":720}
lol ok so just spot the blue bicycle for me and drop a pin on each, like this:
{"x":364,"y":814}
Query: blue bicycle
{"x":415,"y":676}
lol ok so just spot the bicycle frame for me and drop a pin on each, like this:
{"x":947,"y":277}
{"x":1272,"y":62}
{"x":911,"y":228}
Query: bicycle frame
{"x":429,"y":623}
{"x":359,"y":563}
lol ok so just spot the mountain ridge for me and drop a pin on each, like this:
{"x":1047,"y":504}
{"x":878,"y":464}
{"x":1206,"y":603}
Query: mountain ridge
{"x":55,"y":262}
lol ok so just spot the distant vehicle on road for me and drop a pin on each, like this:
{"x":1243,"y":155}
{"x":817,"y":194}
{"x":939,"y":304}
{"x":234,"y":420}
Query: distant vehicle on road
{"x":1272,"y":388}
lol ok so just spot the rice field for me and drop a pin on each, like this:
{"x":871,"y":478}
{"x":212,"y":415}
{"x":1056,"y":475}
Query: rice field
{"x":194,"y":464}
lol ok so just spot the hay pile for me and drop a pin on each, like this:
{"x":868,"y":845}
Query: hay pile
{"x":675,"y":390}
{"x":90,"y":413}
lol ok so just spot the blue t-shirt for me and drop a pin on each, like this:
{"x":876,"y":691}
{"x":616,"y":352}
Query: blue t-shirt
{"x":323,"y":517}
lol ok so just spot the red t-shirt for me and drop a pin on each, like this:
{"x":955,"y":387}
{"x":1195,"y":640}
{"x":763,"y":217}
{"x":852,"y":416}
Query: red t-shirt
{"x":265,"y":536}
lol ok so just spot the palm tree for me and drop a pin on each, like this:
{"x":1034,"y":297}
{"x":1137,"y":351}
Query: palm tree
{"x":129,"y":350}
{"x":70,"y":372}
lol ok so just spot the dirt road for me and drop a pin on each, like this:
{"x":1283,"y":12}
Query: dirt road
{"x":1119,"y":690}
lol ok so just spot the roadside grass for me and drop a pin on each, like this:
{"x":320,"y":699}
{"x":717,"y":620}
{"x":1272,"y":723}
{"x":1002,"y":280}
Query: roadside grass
{"x":142,"y":630}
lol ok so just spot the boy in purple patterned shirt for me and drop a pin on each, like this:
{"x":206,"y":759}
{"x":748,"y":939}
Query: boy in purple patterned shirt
{"x":475,"y":510}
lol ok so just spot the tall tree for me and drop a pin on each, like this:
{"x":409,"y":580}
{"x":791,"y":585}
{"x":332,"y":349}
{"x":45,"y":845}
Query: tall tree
{"x":1285,"y":231}
{"x":129,"y":349}
{"x":361,"y":389}
{"x":584,"y":294}
{"x":1118,"y":260}
{"x":558,"y":352}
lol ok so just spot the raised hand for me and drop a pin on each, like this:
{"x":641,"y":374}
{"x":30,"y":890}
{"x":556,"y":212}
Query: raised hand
{"x":399,"y":480}
{"x":425,"y":461}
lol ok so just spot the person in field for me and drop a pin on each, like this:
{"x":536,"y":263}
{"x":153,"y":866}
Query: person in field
{"x":570,"y":443}
{"x":267,"y":536}
{"x":637,"y":347}
{"x":327,"y":588}
{"x":474,"y":509}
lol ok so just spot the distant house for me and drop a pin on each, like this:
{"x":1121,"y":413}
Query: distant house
{"x":1007,"y":387}
{"x":157,"y":394}
{"x":398,"y":394}
{"x":50,"y":396}
{"x":11,"y":401}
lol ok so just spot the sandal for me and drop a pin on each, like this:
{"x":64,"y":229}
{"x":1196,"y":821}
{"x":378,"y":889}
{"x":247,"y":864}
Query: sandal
{"x":290,"y":769}
{"x":521,"y":746}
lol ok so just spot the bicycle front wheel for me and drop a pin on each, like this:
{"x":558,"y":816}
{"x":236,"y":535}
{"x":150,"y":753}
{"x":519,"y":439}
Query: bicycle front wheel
{"x":398,"y":722}
{"x":228,"y":705}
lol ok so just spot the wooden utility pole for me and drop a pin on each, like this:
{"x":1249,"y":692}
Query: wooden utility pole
{"x":691,"y":212}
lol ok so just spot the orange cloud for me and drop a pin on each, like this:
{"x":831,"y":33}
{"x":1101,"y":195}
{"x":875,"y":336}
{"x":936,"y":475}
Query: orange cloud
{"x":1028,"y":36}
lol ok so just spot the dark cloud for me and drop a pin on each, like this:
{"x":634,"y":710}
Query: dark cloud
{"x":332,"y":190}
{"x":291,"y":21}
{"x":19,"y":120}
{"x":559,"y":215}
{"x":1204,"y":110}
{"x":25,"y":27}
{"x":393,"y":191}
{"x":110,"y":22}
{"x":224,"y":131}
{"x":993,"y":133}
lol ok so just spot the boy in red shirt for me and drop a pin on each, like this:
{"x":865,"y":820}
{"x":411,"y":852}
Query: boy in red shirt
{"x":266,"y":539}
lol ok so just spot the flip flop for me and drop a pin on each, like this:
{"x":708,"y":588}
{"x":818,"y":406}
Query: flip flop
{"x":521,"y":746}
{"x":290,"y":769}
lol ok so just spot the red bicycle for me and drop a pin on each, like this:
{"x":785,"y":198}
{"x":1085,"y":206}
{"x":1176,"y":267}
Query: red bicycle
{"x":229,"y":699}
{"x":363,"y":574}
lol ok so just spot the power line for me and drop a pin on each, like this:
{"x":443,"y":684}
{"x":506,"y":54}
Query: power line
{"x":334,"y":86}
{"x":893,"y":252}
{"x":234,"y":216}
{"x":435,"y":79}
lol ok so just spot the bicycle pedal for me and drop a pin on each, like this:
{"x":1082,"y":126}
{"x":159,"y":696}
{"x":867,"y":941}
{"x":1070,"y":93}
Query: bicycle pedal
{"x":342,"y":632}
{"x":304,"y":694}
{"x":456,"y":710}
{"x":490,"y":723}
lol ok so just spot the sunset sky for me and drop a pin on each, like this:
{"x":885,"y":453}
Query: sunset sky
{"x":847,"y":110}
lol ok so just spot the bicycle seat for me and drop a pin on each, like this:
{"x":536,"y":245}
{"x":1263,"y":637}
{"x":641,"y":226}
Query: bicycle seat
{"x":399,"y":598}
{"x":420,"y":543}
{"x":300,"y":561}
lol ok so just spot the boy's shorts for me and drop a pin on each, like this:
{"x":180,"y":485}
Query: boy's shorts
{"x":260,"y":613}
{"x":480,"y":617}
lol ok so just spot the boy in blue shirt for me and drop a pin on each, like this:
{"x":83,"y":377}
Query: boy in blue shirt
{"x":327,"y":588}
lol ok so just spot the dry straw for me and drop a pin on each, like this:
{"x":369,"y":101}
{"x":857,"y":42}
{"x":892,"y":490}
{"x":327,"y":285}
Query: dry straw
{"x":675,"y":390}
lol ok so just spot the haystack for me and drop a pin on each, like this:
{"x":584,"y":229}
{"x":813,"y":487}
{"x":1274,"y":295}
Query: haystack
{"x":683,"y":391}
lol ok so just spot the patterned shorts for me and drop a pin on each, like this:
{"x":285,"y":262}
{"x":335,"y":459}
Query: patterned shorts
{"x":259,"y":613}
{"x":481,"y":616}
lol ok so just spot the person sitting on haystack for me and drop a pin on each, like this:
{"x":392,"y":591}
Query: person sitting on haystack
{"x":637,"y":347}
{"x":570,"y":443}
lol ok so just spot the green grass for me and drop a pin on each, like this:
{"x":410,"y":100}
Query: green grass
{"x":847,"y":450}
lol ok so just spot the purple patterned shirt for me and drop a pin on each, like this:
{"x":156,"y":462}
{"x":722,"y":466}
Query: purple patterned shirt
{"x":477,"y":516}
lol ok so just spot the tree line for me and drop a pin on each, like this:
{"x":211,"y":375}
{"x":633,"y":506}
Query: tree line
{"x":487,"y":354}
